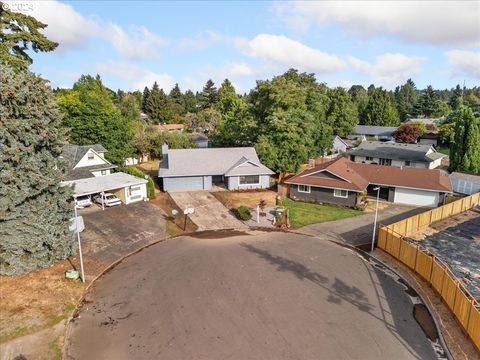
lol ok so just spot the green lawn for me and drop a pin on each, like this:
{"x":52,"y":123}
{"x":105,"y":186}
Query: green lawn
{"x":444,"y":150}
{"x":302,"y":214}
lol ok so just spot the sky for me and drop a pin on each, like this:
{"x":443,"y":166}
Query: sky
{"x":131,"y":44}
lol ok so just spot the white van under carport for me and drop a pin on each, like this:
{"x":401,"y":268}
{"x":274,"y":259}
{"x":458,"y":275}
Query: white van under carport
{"x":127,"y":188}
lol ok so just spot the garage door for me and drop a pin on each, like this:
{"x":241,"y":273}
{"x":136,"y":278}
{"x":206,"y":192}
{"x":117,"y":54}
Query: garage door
{"x":183,"y":183}
{"x":416,"y":197}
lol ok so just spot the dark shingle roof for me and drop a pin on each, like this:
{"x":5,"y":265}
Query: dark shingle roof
{"x":396,"y":151}
{"x":375,"y":130}
{"x":74,"y":153}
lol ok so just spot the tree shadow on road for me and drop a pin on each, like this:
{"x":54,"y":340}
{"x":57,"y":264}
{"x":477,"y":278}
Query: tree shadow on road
{"x":338,"y":290}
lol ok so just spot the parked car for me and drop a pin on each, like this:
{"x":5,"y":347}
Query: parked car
{"x":83,"y":201}
{"x":108,"y":199}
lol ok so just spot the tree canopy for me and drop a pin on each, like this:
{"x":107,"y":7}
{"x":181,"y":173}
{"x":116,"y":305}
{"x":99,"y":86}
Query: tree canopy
{"x":92,"y":118}
{"x":18,"y":34}
{"x":34,"y":207}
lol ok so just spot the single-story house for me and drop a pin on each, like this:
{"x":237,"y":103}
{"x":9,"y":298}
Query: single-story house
{"x":342,"y":181}
{"x":397,"y":154}
{"x":200,"y":140}
{"x":339,"y":146}
{"x":92,"y":174}
{"x":431,"y":137}
{"x":466,"y":184}
{"x":126,"y":187}
{"x":196,"y":169}
{"x":382,"y":133}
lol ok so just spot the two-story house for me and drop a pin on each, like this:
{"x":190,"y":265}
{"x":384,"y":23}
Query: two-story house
{"x":396,"y":154}
{"x":91,"y":173}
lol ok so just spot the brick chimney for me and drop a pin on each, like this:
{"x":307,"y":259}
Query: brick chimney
{"x":311,"y":163}
{"x":165,"y":156}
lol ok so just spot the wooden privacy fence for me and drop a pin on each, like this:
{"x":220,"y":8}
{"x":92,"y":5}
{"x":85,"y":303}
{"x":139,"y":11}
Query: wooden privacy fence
{"x":439,"y":275}
{"x":417,"y":222}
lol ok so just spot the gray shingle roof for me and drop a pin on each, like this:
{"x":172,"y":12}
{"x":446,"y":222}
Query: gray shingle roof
{"x":395,"y":151}
{"x":375,"y":130}
{"x":74,"y":153}
{"x":211,"y":161}
{"x":468,"y":177}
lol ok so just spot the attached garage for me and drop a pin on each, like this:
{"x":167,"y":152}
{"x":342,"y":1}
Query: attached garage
{"x":416,"y":197}
{"x":187,"y":183}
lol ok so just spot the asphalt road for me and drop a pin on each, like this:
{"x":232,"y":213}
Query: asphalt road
{"x":264,"y":296}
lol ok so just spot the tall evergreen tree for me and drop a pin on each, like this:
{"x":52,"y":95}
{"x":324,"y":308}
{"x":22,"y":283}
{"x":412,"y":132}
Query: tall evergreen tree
{"x":157,"y":105}
{"x":190,"y":101}
{"x":456,"y":99}
{"x":428,"y":102}
{"x":19,"y":32}
{"x":380,"y":110}
{"x":465,"y":150}
{"x":34,"y":208}
{"x":209,"y":95}
{"x":176,"y":94}
{"x":145,"y":96}
{"x":360,"y":99}
{"x":406,"y":99}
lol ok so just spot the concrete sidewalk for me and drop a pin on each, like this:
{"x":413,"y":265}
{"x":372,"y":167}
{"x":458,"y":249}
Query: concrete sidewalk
{"x":358,"y":230}
{"x":210,"y":214}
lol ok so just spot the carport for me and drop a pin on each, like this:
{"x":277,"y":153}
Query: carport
{"x":126,"y":187}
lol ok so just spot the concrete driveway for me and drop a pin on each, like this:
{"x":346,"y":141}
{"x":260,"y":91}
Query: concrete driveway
{"x":358,"y":230}
{"x":117,"y":231}
{"x":210,"y":214}
{"x":229,"y":295}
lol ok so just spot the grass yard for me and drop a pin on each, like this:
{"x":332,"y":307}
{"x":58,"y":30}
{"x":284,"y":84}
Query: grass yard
{"x":444,"y":150}
{"x":302,"y":214}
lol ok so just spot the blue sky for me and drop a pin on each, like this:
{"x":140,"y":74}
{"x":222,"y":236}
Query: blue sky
{"x":131,"y":44}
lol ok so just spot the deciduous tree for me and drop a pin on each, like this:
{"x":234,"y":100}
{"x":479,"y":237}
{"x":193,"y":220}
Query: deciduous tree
{"x":407,"y":133}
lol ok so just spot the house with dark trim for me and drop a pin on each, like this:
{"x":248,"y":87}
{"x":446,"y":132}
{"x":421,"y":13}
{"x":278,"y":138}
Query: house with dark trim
{"x":397,"y":154}
{"x":236,"y":168}
{"x":343,"y":182}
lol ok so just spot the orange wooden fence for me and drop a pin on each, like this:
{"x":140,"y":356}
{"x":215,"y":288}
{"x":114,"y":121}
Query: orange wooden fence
{"x":460,"y":301}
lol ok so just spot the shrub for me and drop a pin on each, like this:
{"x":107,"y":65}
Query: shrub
{"x":135,"y":172}
{"x":243,"y":213}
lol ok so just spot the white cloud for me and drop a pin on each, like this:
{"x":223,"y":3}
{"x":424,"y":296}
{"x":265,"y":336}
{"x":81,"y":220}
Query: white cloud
{"x":464,"y":62}
{"x":282,"y":50}
{"x":434,"y":22}
{"x":136,"y":76}
{"x":201,"y":41}
{"x":389,"y":68}
{"x":72,"y":31}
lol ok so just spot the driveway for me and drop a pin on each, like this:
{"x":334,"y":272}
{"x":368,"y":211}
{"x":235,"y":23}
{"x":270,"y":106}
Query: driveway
{"x":117,"y":231}
{"x":357,"y":230}
{"x":229,"y":295}
{"x":210,"y":214}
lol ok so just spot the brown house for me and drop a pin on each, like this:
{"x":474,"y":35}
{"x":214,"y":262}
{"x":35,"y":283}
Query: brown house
{"x":341,"y":181}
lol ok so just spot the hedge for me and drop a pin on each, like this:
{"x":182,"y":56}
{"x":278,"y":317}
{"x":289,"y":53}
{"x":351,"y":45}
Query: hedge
{"x":135,"y":172}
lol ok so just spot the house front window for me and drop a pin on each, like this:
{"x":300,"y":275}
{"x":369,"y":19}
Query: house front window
{"x":304,"y":189}
{"x":386,"y":162}
{"x":340,"y":193}
{"x":249,"y":180}
{"x":104,"y":172}
{"x":369,"y":158}
{"x":408,"y":163}
{"x":90,"y":156}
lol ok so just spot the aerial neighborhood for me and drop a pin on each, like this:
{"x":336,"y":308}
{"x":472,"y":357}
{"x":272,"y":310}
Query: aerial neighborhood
{"x":200,"y":194}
